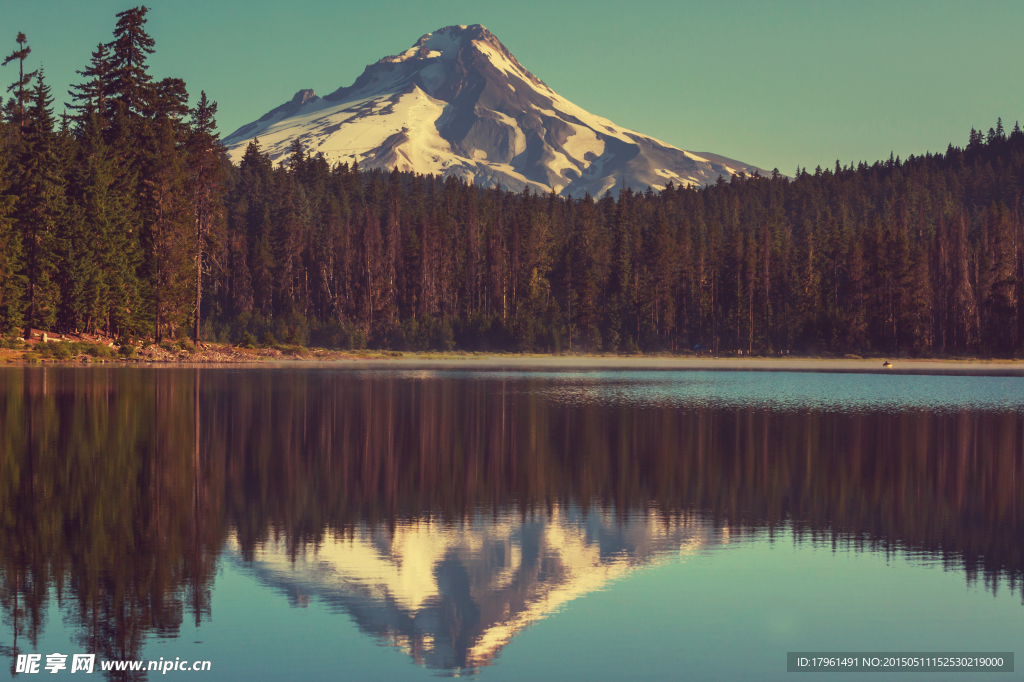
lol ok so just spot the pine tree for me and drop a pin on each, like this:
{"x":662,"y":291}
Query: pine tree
{"x":287,"y":241}
{"x":998,"y":280}
{"x":77,"y":271}
{"x":964,"y":315}
{"x":20,"y":86}
{"x":41,"y":208}
{"x":856,"y":308}
{"x":170,"y":239}
{"x":129,"y":102}
{"x":113,"y":293}
{"x":497,"y":261}
{"x":128,"y":85}
{"x":473,"y":260}
{"x":662,"y":265}
{"x":206,"y":180}
{"x":11,"y":279}
{"x":916,"y":304}
{"x":88,"y":97}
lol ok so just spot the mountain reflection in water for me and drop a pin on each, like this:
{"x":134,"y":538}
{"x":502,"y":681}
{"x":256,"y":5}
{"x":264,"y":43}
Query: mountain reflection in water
{"x":445,"y":511}
{"x":451,"y":595}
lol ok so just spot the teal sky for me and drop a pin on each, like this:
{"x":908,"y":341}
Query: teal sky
{"x":775,"y":84}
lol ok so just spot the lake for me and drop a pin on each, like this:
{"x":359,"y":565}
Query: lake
{"x":405,"y":523}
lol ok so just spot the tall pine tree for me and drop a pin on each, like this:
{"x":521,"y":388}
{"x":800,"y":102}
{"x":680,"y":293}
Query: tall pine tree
{"x":11,"y":278}
{"x":41,"y":209}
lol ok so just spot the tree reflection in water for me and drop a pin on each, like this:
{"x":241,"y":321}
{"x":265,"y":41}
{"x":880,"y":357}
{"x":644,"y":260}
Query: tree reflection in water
{"x":445,"y":512}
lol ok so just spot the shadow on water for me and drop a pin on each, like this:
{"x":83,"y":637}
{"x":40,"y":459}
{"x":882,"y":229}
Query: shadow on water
{"x":445,"y":512}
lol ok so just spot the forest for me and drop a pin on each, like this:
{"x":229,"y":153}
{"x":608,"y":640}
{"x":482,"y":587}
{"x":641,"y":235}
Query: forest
{"x":124,"y":217}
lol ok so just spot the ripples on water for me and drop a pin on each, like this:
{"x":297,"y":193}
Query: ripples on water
{"x":839,"y":392}
{"x":444,"y":512}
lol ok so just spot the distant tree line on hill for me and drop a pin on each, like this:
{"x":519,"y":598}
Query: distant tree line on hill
{"x":127,"y":218}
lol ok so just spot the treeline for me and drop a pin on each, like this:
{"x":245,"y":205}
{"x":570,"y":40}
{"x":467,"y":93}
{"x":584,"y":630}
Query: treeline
{"x":129,"y":219}
{"x":921,"y":256}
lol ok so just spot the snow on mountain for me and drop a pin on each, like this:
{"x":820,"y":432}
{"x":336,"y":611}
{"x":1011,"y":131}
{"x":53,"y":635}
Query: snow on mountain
{"x":459,"y":103}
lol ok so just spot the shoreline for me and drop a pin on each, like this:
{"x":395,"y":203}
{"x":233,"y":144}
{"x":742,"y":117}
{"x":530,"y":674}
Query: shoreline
{"x":668,"y":363}
{"x":234,"y":358}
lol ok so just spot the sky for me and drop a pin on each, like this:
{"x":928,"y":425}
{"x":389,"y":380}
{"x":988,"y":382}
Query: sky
{"x":775,"y":84}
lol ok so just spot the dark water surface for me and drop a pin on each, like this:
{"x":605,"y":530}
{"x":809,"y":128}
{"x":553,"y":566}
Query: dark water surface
{"x":314,"y":523}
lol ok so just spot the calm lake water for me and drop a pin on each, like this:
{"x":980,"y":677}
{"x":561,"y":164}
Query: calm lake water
{"x":319,"y":523}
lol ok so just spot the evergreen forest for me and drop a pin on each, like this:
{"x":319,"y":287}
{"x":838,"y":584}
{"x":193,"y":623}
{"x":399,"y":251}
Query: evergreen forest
{"x":124,"y":217}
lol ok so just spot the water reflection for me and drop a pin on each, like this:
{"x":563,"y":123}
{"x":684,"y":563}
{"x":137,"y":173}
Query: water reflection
{"x":451,"y":595}
{"x":446,"y":511}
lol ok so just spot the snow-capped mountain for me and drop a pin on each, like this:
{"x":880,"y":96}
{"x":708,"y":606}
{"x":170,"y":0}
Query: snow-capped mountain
{"x":459,"y":103}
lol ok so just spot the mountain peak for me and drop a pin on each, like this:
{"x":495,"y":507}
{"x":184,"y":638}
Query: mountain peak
{"x":458,"y":102}
{"x":444,"y":42}
{"x":449,"y":43}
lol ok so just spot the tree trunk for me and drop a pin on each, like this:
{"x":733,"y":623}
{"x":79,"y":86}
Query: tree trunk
{"x":199,"y":292}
